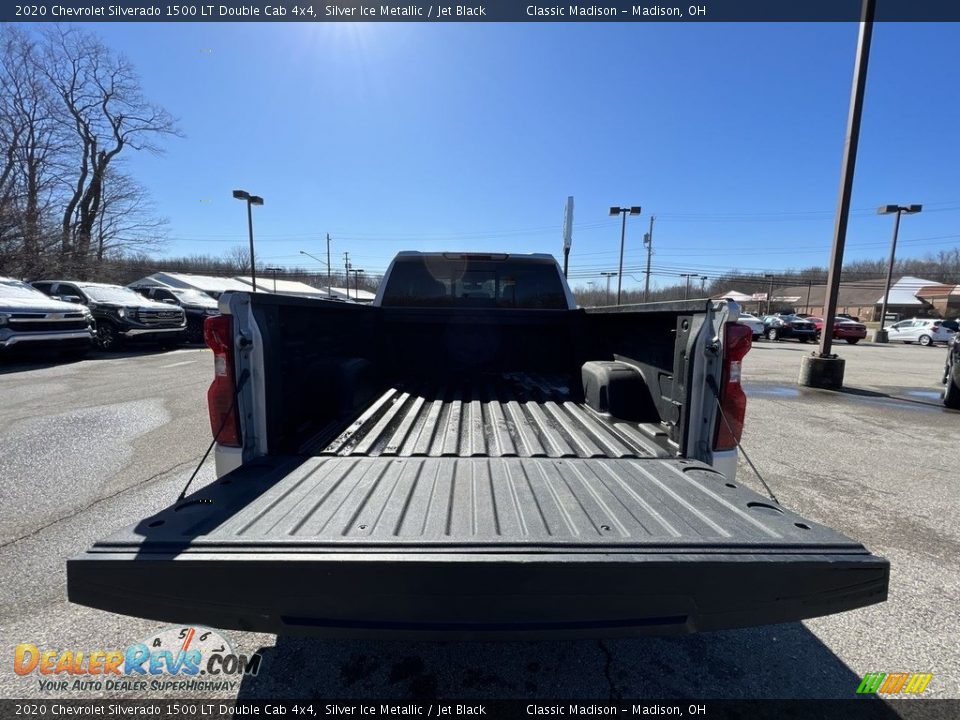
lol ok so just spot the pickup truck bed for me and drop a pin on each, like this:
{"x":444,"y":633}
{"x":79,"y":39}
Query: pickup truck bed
{"x":477,"y":547}
{"x":477,"y":473}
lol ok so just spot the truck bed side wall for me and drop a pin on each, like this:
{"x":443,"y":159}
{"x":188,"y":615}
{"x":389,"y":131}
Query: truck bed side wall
{"x":657,"y":339}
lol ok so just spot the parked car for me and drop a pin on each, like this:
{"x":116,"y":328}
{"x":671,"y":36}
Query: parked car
{"x":31,"y":320}
{"x":367,"y":495}
{"x":196,"y":304}
{"x":951,"y":375}
{"x":843,"y":329}
{"x":953,"y":325}
{"x":848,"y":317}
{"x":121,"y":314}
{"x":778,"y":327}
{"x":753,"y":322}
{"x":925,"y":331}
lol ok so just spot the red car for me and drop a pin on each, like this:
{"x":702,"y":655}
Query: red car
{"x":843,"y":329}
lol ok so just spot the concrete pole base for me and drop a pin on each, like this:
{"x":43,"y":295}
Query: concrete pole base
{"x":880,"y":336}
{"x":821,"y":372}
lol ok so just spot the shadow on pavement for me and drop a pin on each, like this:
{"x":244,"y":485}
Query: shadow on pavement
{"x":23,"y":360}
{"x":777,"y":661}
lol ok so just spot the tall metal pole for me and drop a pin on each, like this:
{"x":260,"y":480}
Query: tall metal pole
{"x":809,"y":286}
{"x":703,"y":284}
{"x":770,"y":297}
{"x":608,"y":275}
{"x":686,"y":290}
{"x":867,"y":13}
{"x":893,"y":254}
{"x":649,"y":243}
{"x":346,"y":274}
{"x":253,"y":263}
{"x":623,"y":235}
{"x":329,"y":275}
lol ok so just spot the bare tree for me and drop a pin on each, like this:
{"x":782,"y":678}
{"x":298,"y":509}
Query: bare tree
{"x":127,"y":220}
{"x":107,"y":112}
{"x":32,"y":146}
{"x":238,"y":257}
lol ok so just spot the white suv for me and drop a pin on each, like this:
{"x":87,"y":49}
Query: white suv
{"x":925,"y":331}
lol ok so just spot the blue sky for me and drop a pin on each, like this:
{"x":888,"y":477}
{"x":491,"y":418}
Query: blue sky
{"x":428,"y":136}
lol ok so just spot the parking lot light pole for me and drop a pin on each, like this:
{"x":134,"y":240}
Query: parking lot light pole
{"x":769,"y":292}
{"x":686,"y":290}
{"x":251,"y":200}
{"x":274,"y":270}
{"x":880,"y":336}
{"x":703,"y":284}
{"x":608,"y":275}
{"x":624,"y":211}
{"x":356,"y":275}
{"x":823,"y":369}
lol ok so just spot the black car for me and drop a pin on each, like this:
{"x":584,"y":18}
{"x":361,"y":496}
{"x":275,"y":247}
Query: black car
{"x":120,"y":313}
{"x":779,"y":327}
{"x":951,"y":376}
{"x":196,"y":304}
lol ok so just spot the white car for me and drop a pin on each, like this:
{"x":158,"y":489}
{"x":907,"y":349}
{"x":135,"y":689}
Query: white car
{"x":925,"y":331}
{"x":753,"y":322}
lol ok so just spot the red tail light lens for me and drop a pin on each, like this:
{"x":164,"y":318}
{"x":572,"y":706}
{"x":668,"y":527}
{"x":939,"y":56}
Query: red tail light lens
{"x":737,"y":343}
{"x":218,"y":334}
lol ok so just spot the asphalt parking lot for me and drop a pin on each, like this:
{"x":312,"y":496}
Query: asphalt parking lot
{"x":92,"y":446}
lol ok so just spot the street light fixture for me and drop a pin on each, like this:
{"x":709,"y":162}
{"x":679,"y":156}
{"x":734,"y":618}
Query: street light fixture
{"x":608,"y":275}
{"x":624,"y":211}
{"x":274,"y":270}
{"x":769,"y":292}
{"x":356,"y":274}
{"x":251,"y":200}
{"x":880,"y":336}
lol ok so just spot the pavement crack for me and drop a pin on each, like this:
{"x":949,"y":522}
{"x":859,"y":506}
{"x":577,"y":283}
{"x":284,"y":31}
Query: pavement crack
{"x":612,"y":693}
{"x":94,"y":503}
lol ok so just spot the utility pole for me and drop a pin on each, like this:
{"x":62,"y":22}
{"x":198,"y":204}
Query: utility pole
{"x":346,"y":274}
{"x":769,"y":293}
{"x":608,"y":275}
{"x":648,"y":242}
{"x":809,"y":285}
{"x":686,"y":292}
{"x":329,"y":275}
{"x":703,"y":284}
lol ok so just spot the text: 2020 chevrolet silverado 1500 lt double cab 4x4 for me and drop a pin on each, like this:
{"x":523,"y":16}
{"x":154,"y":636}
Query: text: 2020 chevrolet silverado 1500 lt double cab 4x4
{"x":474,"y":456}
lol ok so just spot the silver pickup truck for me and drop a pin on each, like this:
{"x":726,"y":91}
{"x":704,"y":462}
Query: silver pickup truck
{"x":29,"y":320}
{"x":473,"y":455}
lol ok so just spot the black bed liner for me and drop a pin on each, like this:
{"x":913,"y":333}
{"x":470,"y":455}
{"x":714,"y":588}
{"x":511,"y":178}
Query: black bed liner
{"x":477,"y":547}
{"x":502,"y":415}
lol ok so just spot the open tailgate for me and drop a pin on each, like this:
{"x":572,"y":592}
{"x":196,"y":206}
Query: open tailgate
{"x":451,"y":547}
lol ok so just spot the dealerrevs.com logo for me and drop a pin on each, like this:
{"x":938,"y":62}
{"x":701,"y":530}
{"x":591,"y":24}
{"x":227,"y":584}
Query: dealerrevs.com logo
{"x":174,"y":659}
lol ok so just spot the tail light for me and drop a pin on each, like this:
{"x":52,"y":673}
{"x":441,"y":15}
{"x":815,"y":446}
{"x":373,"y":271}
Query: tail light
{"x":733,"y":401}
{"x":218,"y":334}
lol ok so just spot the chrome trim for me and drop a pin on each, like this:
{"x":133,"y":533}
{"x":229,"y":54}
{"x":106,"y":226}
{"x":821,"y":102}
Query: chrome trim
{"x":152,"y":331}
{"x":42,"y":336}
